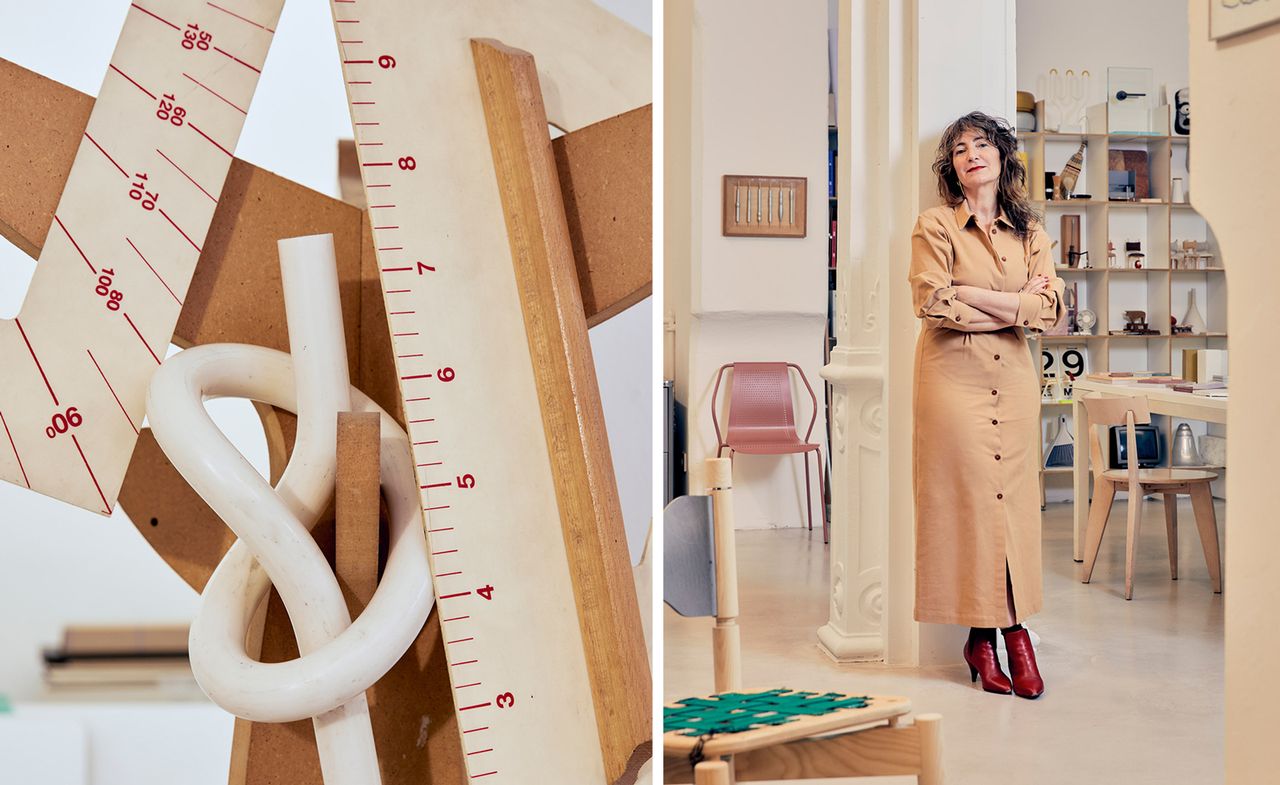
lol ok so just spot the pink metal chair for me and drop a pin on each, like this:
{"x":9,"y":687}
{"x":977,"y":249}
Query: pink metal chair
{"x":762,"y":421}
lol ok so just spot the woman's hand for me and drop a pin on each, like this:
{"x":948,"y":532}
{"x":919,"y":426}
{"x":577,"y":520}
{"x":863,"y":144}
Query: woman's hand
{"x":1036,"y":284}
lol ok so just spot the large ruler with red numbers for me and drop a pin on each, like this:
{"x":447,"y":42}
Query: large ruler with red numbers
{"x":125,"y":239}
{"x":522,"y":685}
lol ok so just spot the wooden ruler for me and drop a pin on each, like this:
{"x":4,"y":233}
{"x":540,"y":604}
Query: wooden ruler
{"x":545,"y":652}
{"x":127,"y":233}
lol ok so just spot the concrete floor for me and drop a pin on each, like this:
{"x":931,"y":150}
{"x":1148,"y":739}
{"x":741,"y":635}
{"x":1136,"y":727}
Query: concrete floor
{"x":1134,"y":692}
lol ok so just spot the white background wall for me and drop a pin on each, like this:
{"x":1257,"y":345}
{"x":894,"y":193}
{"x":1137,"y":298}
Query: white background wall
{"x":60,"y":565}
{"x":1095,"y":34}
{"x":758,"y":105}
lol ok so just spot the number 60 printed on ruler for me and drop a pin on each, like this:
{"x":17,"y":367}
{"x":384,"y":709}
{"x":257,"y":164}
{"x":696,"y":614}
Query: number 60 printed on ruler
{"x":124,"y":243}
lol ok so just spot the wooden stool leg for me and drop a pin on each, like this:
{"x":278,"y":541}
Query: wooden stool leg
{"x":1099,"y":514}
{"x":930,"y":727}
{"x":1171,"y":528}
{"x":1207,"y":523}
{"x":1131,"y":538}
{"x":711,"y":772}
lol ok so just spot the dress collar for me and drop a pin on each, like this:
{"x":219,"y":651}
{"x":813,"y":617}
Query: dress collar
{"x":963,"y":216}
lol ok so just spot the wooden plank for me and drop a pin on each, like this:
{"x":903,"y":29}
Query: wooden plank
{"x":357,"y":499}
{"x":606,"y":179}
{"x":877,"y":752}
{"x":569,"y":399}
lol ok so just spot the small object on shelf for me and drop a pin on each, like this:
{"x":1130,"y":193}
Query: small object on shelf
{"x":1129,"y":171}
{"x":1182,"y":111}
{"x":1213,"y":449}
{"x":1084,"y":196}
{"x":1050,"y":185}
{"x":1184,"y":451}
{"x":1071,"y":172}
{"x":1061,"y":450}
{"x":1193,"y":320}
{"x":1129,"y":92}
{"x":1135,"y":323}
{"x":1120,"y":186}
{"x":1086,"y":319}
{"x":1190,"y":364}
{"x":1133,"y":255}
{"x":1026,"y":118}
{"x":1177,"y":194}
{"x":1111,"y":255}
{"x":1070,"y":233}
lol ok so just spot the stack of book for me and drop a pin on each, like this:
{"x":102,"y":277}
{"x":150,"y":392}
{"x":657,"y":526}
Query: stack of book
{"x":148,"y":660}
{"x":1134,"y":378}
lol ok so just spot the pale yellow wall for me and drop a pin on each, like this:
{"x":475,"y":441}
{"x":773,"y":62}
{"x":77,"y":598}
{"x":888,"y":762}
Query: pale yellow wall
{"x":1235,"y":166}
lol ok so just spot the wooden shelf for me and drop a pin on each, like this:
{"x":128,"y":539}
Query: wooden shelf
{"x":1057,"y":469}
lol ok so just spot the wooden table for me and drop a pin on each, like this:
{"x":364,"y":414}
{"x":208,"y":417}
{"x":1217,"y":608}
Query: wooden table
{"x":1161,"y":400}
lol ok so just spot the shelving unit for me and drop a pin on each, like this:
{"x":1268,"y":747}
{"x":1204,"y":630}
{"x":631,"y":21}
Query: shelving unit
{"x":1157,"y":289}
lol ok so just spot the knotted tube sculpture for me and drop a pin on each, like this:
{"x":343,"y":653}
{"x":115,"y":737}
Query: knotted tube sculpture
{"x":339,"y":659}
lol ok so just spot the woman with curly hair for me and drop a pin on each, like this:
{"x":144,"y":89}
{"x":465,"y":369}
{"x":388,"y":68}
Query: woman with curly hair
{"x":981,"y":274}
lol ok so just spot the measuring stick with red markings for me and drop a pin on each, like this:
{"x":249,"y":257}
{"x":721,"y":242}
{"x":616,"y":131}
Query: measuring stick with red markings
{"x":126,"y":237}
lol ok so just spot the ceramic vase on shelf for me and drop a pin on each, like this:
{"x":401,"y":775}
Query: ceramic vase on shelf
{"x":1193,"y":319}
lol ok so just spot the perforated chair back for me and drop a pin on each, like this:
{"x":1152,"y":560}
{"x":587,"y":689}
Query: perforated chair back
{"x":762,"y":417}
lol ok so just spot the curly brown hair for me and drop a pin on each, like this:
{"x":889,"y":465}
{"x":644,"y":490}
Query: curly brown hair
{"x":1011,"y":197}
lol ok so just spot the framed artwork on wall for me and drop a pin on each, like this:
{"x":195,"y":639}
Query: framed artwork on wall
{"x":1232,"y":17}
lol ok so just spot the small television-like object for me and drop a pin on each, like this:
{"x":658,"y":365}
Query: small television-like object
{"x":1150,"y":446}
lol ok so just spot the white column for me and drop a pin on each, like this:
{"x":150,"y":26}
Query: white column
{"x":903,"y":75}
{"x":875,"y":188}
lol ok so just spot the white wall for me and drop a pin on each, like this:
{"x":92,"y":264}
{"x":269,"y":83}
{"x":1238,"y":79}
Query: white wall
{"x":749,"y":298}
{"x":1094,"y":34}
{"x":60,"y":565}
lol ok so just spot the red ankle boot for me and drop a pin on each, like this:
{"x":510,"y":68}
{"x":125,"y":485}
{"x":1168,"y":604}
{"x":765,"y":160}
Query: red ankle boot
{"x":980,"y":653}
{"x":1022,"y":665}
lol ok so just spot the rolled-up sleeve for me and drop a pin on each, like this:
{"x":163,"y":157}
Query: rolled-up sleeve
{"x":1041,"y":311}
{"x":932,"y":292}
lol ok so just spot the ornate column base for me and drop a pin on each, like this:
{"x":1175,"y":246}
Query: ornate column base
{"x":850,"y":647}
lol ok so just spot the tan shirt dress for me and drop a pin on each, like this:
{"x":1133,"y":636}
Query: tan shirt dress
{"x":977,"y":412}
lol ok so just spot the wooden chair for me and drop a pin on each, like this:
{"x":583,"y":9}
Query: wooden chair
{"x":1130,"y":411}
{"x":871,"y":741}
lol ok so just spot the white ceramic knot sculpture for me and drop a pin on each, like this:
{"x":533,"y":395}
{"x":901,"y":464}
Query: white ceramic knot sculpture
{"x":339,"y":659}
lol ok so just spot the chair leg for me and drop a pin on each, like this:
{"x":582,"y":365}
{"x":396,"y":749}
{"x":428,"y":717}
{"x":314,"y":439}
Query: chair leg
{"x":1131,"y":538}
{"x":1099,"y":514}
{"x":808,"y":489}
{"x":822,"y":498}
{"x":1207,"y":523}
{"x":1171,"y":528}
{"x":930,"y":730}
{"x":711,"y":772}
